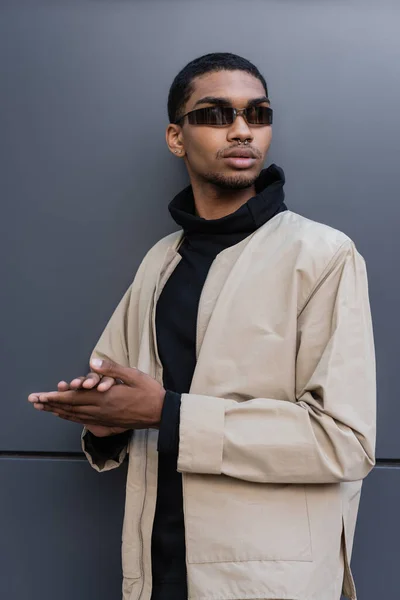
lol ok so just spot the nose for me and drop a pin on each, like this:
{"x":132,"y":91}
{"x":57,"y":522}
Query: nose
{"x":239,"y":130}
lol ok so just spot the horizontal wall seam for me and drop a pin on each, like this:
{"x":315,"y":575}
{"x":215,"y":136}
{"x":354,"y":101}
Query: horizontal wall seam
{"x":387,"y":462}
{"x":34,"y":454}
{"x":39,"y":454}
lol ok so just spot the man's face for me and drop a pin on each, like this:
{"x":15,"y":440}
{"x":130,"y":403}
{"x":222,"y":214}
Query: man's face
{"x":206,"y":146}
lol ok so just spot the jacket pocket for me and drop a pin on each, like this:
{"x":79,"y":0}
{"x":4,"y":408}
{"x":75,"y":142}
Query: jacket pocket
{"x":230,"y":520}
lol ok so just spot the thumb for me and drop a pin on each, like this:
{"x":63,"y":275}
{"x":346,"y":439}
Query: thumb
{"x":110,"y":368}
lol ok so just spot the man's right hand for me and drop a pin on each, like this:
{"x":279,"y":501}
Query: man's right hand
{"x":91,"y":381}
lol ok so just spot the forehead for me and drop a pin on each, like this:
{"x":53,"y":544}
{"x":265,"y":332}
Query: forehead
{"x":238,"y":86}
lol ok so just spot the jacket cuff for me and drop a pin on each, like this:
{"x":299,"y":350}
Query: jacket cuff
{"x":103,"y":449}
{"x":168,"y":435}
{"x":201,"y":434}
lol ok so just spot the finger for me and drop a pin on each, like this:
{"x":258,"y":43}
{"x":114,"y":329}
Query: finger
{"x":69,"y":417}
{"x":62,"y":386}
{"x":107,"y":367}
{"x":73,"y":397}
{"x":76,"y":383}
{"x":38,"y":406}
{"x":67,"y":410}
{"x":43,"y":396}
{"x":34,"y":397}
{"x":88,"y":412}
{"x":106,"y":383}
{"x":79,"y":417}
{"x":91,"y":380}
{"x":51,"y":407}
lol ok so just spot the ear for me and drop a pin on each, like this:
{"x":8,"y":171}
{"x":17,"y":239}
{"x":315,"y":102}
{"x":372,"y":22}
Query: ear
{"x":173,"y":137}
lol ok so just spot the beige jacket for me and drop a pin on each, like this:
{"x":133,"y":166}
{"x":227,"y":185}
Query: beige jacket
{"x":278,"y":429}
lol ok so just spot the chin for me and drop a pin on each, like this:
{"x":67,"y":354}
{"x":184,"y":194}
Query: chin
{"x":233,"y":180}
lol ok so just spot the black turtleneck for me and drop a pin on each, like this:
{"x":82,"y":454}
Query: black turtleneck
{"x":176,"y":321}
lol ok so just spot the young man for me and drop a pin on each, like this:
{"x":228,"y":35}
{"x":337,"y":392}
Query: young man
{"x":244,"y":357}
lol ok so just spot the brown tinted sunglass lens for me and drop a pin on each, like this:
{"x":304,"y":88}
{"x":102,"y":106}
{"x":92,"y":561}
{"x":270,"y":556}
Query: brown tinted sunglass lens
{"x":212,"y":115}
{"x":259,"y":115}
{"x":224,"y":115}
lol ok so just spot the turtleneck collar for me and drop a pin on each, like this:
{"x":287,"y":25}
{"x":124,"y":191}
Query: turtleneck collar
{"x":268,"y":201}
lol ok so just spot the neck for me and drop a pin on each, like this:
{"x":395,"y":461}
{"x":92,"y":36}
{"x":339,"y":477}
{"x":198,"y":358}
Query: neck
{"x":213,"y":202}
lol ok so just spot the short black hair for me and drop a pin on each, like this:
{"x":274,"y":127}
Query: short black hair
{"x":182,"y":86}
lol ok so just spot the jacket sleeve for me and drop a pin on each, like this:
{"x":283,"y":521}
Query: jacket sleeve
{"x":108,"y":453}
{"x":326,"y":434}
{"x":105,"y":454}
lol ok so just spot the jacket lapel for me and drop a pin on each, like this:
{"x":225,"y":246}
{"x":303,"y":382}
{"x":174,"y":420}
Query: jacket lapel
{"x":213,"y":286}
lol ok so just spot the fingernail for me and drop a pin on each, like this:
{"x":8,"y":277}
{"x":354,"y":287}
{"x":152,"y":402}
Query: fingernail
{"x":96,"y":362}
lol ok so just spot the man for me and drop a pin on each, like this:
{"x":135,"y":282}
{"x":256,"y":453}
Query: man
{"x":244,"y":357}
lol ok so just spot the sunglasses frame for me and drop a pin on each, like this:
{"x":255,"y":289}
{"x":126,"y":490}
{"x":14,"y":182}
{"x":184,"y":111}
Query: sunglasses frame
{"x":236,"y":113}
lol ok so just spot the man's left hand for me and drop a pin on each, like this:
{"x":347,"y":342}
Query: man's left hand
{"x":137,"y":404}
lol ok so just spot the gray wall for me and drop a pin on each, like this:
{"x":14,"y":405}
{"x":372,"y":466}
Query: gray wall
{"x":85,"y":181}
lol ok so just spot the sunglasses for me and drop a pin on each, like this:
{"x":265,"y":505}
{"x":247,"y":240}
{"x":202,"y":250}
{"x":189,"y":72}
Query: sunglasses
{"x":225,"y":115}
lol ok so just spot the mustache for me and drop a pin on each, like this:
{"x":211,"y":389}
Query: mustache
{"x":255,"y":153}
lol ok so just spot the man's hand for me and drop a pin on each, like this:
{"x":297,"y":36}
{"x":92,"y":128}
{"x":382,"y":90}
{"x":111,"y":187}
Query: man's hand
{"x":102,"y":384}
{"x":135,"y":405}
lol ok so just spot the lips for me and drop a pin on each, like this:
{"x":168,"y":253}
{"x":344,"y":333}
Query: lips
{"x":239,"y":154}
{"x":240,"y":162}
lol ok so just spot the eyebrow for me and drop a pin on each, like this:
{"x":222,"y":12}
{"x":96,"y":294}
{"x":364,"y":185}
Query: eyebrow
{"x":218,"y":101}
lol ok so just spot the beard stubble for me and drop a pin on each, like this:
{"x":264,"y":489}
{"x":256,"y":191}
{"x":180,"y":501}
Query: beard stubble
{"x":230,"y":182}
